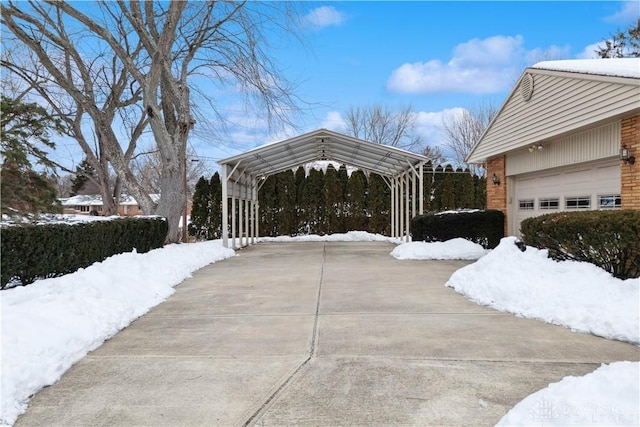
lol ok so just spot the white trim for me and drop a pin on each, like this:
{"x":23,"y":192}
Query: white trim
{"x":393,"y":164}
{"x":562,"y":103}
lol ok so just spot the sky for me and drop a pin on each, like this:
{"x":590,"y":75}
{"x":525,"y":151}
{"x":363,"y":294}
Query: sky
{"x":57,"y":321}
{"x":437,"y":57}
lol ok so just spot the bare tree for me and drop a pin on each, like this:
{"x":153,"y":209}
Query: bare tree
{"x":464,"y":128}
{"x":154,"y":49}
{"x":434,"y":154}
{"x":623,"y":44}
{"x":379,"y":124}
{"x":147,"y":166}
{"x":87,"y":93}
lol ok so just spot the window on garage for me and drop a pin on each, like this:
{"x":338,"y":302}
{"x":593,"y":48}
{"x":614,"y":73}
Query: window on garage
{"x":609,"y":201}
{"x":581,"y":202}
{"x":526,"y":205}
{"x":552,"y":203}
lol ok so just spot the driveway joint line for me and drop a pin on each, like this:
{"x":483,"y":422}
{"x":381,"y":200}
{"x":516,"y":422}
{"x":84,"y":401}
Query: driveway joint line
{"x":257,"y":414}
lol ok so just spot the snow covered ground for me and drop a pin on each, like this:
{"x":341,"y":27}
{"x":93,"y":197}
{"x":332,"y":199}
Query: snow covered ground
{"x":351,"y":236}
{"x":451,"y":249}
{"x":577,"y":295}
{"x":609,"y":396}
{"x":573,"y":294}
{"x":53,"y":323}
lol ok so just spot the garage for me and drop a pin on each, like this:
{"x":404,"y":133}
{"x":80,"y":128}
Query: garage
{"x":565,"y":139}
{"x":586,"y":186}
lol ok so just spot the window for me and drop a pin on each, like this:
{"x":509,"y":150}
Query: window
{"x":526,"y":205}
{"x":82,"y":208}
{"x":609,"y":201}
{"x":546,"y":204}
{"x":583,"y":202}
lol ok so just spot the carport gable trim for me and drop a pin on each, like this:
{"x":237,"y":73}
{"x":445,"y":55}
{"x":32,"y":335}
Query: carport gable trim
{"x":377,"y":158}
{"x":393,"y":164}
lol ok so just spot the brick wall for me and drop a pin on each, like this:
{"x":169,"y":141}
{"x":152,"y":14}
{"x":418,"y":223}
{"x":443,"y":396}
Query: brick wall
{"x":630,"y":174}
{"x":496,"y":194}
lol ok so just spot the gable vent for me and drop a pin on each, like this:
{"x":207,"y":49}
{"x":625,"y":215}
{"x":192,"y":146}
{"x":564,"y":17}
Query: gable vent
{"x":526,"y":87}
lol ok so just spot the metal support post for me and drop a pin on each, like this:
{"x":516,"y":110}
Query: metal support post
{"x":225,"y":208}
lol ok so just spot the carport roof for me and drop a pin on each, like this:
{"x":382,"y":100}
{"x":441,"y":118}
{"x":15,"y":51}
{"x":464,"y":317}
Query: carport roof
{"x":326,"y":145}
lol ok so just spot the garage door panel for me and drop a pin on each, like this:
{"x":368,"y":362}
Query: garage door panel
{"x":590,"y":181}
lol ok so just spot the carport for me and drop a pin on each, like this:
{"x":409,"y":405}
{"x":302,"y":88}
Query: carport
{"x":243,"y":175}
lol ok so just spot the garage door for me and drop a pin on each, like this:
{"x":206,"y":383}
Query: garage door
{"x":590,"y":186}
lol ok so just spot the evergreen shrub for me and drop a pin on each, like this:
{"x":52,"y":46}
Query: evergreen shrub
{"x":483,"y":227}
{"x":31,"y":252}
{"x":608,"y":239}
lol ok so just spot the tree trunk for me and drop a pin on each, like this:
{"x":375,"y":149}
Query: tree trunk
{"x":173,"y":199}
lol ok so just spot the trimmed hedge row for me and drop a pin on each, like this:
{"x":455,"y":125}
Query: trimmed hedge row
{"x":34,"y":252}
{"x":608,"y":239}
{"x":483,"y":227}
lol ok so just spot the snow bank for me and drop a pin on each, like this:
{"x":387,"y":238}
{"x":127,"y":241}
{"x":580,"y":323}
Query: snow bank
{"x":451,"y":249}
{"x":577,"y":295}
{"x":52,"y":323}
{"x":351,"y":236}
{"x":606,"y":397}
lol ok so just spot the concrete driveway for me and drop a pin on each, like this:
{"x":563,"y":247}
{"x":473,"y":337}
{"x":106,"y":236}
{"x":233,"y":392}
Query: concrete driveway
{"x":318,"y":334}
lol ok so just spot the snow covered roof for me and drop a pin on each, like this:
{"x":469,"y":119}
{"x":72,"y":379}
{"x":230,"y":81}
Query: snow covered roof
{"x":617,"y":67}
{"x":96,"y":200}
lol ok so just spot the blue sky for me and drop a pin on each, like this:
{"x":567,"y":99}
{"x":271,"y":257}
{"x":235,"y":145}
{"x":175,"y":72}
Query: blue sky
{"x":435,"y":56}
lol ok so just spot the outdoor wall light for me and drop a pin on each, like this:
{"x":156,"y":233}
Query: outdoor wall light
{"x":535,"y":147}
{"x":625,"y":157}
{"x":495,"y":179}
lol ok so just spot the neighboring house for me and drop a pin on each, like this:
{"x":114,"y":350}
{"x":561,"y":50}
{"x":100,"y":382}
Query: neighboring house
{"x":84,"y":204}
{"x":558,"y":141}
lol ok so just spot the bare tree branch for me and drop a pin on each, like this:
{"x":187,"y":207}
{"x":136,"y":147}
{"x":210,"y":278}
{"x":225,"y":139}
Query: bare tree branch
{"x":463,"y":130}
{"x":379,"y":124}
{"x":141,"y":63}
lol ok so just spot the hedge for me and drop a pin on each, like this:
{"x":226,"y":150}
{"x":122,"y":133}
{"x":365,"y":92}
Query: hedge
{"x":483,"y":227}
{"x":608,"y":239}
{"x":31,"y":252}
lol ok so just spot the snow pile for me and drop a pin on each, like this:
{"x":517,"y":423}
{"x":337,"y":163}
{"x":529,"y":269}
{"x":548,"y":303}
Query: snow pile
{"x":577,"y":295}
{"x":52,"y":323}
{"x":351,"y":236}
{"x":451,"y":249}
{"x":608,"y":396}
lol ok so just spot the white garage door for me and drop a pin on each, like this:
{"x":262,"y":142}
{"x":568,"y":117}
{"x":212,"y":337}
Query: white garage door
{"x":590,"y":186}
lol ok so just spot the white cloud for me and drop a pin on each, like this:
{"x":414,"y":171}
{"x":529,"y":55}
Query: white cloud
{"x":629,"y":12}
{"x":589,"y":52}
{"x":428,"y":125}
{"x":323,"y":16}
{"x":478,"y":66}
{"x":488,"y":52}
{"x":334,"y":121}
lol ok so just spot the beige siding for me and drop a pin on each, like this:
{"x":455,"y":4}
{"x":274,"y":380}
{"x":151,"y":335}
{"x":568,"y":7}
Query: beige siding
{"x":562,"y":103}
{"x":599,"y":143}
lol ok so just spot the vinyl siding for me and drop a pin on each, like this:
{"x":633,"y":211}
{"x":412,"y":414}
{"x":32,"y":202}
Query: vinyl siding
{"x":599,"y":143}
{"x":562,"y":103}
